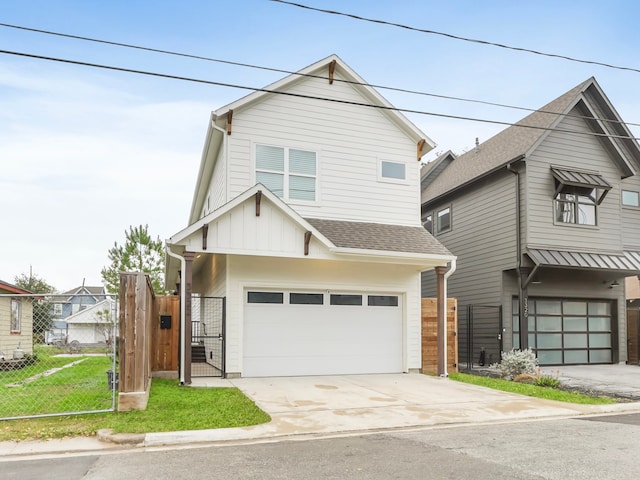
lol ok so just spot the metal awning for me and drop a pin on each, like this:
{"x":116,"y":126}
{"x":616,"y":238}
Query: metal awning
{"x":575,"y":178}
{"x":627,"y":262}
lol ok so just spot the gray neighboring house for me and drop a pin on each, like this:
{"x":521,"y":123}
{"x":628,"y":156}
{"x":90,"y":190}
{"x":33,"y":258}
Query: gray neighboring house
{"x":545,"y":222}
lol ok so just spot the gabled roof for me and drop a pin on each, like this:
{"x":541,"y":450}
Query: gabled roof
{"x":82,"y":290}
{"x":90,"y":314}
{"x":517,"y":141}
{"x":214,"y":136}
{"x":10,"y":288}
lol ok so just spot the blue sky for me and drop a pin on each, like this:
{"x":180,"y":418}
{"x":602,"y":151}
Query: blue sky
{"x":86,"y":152}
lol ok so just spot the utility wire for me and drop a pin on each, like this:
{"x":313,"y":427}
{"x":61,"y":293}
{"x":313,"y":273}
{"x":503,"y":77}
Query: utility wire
{"x":279,"y":70}
{"x":455,"y":37}
{"x":300,"y":95}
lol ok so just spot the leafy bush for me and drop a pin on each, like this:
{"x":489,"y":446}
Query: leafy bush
{"x":517,"y":362}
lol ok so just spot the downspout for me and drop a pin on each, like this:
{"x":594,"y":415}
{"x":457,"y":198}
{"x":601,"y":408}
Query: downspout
{"x":522,"y":320}
{"x":183,"y":294}
{"x":450,"y":272}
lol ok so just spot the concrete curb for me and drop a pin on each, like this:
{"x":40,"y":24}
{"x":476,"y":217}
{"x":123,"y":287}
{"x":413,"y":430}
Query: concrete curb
{"x":107,"y":435}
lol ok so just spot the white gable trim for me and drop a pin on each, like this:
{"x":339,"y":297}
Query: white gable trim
{"x":277,"y":201}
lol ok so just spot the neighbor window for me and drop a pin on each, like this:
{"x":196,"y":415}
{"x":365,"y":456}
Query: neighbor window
{"x":287,"y":172}
{"x":576,"y":205}
{"x":393,"y":170}
{"x":16,"y":315}
{"x":630,"y":198}
{"x":443,"y":220}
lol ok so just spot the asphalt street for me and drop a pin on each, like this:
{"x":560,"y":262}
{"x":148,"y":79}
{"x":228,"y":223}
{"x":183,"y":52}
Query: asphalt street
{"x":582,"y":448}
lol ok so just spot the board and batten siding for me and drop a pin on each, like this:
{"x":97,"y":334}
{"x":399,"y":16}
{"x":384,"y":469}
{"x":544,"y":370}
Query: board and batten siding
{"x":577,"y":152}
{"x":483,"y":237}
{"x":311,"y":275}
{"x":631,"y":216}
{"x":349,"y":140}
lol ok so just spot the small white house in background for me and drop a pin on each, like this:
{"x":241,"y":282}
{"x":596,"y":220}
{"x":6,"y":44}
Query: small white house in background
{"x":16,"y":320}
{"x":94,"y":324}
{"x":306,"y":217}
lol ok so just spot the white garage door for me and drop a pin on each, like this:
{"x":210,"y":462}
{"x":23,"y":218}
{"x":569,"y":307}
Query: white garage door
{"x":312,"y":333}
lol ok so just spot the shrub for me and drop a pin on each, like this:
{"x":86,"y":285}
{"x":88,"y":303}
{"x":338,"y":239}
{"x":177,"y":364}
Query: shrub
{"x":547,"y":381}
{"x":517,"y":362}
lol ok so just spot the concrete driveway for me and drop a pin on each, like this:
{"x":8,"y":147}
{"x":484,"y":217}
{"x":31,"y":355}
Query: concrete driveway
{"x":352,"y":403}
{"x":616,"y":380}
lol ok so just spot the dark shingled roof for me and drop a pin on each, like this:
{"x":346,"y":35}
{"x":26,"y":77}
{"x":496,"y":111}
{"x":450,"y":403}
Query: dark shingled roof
{"x":503,"y":147}
{"x":376,"y":236}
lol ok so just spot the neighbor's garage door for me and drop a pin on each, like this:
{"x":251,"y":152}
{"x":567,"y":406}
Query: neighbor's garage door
{"x":569,"y":331}
{"x":313,"y":333}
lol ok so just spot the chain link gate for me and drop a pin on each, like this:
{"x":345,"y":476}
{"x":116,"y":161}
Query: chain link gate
{"x":57,"y":354}
{"x":208,"y":316}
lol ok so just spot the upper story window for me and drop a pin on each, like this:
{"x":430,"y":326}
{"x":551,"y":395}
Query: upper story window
{"x":577,"y":195}
{"x":16,"y":315}
{"x":576,"y":205}
{"x":394,"y":171}
{"x":443,"y":220}
{"x":630,"y":198}
{"x":287,"y":172}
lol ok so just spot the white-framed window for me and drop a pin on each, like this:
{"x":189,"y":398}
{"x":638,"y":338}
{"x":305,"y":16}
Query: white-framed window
{"x":16,"y":315}
{"x":392,"y":171}
{"x":290,"y":173}
{"x":576,"y":205}
{"x":443,"y":220}
{"x":630,"y":198}
{"x":57,"y":309}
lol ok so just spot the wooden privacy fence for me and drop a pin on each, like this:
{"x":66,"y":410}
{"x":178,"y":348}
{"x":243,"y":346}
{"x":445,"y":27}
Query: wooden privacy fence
{"x":166,"y":336}
{"x":430,"y":335}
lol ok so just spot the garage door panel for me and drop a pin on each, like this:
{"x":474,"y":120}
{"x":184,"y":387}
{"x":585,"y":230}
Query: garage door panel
{"x":284,"y":340}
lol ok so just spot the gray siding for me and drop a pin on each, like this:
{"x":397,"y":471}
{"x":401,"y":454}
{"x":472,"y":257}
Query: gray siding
{"x":483,"y":238}
{"x":571,"y":151}
{"x":631,"y":217}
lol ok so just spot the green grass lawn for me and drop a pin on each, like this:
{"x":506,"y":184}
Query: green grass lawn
{"x":170,"y":408}
{"x":531,"y":390}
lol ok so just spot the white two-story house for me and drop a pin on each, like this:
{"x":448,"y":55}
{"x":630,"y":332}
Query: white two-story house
{"x":306,"y":219}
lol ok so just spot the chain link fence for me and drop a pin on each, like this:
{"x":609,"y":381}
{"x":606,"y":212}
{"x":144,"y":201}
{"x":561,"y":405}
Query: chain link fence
{"x":57,"y":354}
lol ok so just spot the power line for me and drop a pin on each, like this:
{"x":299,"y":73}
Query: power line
{"x":455,"y":37}
{"x":289,"y":72}
{"x":300,"y":95}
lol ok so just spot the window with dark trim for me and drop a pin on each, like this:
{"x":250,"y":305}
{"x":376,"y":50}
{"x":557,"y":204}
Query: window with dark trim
{"x":345,"y":299}
{"x":306,"y":298}
{"x":383,"y":300}
{"x":265,"y":297}
{"x":443,"y":220}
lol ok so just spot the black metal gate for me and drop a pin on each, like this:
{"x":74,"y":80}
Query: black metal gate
{"x":480,"y":336}
{"x":208,"y":318}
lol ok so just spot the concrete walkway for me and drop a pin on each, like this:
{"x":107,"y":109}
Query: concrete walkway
{"x":343,"y":404}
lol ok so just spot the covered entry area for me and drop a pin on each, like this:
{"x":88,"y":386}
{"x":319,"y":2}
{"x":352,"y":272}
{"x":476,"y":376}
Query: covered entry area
{"x":289,"y":333}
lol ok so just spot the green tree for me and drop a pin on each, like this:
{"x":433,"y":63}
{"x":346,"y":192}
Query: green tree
{"x":140,"y":253}
{"x":42,"y":305}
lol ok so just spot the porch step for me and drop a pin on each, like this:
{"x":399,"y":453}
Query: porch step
{"x":198,"y":354}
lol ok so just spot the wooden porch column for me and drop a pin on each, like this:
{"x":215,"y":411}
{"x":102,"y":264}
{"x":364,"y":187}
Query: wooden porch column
{"x":442,"y":318}
{"x":186,"y":341}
